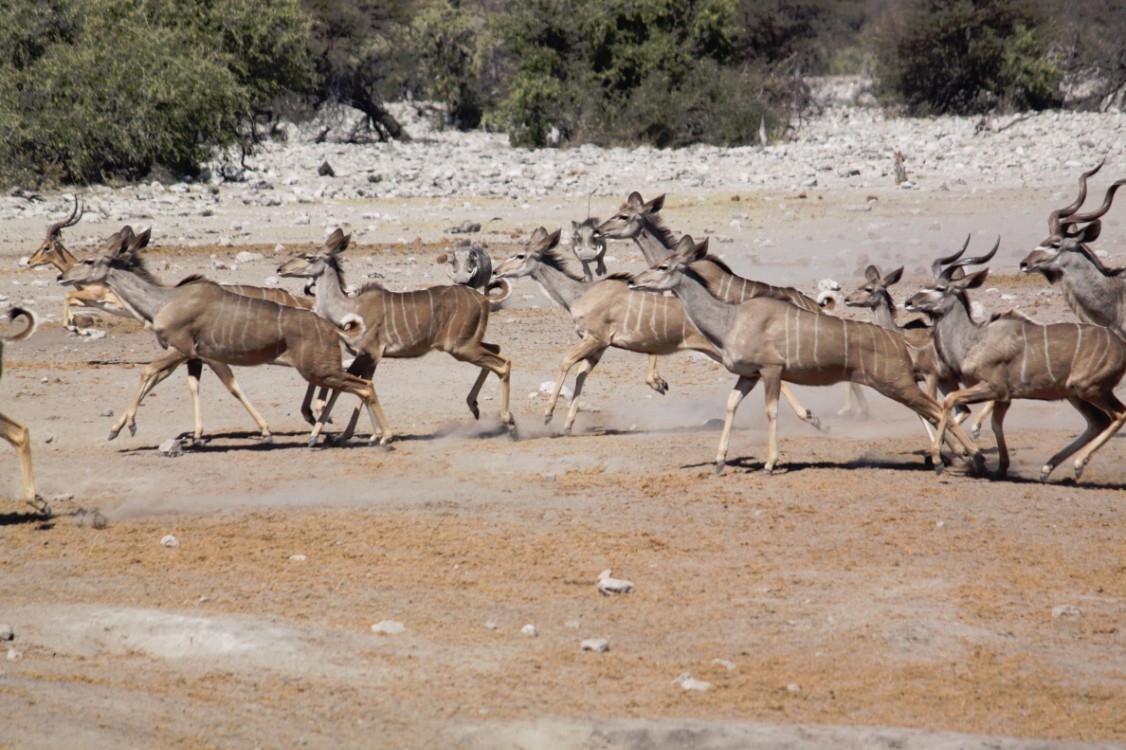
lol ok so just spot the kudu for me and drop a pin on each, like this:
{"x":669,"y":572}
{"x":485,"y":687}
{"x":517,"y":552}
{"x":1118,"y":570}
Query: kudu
{"x":1011,"y":357}
{"x":132,"y":259}
{"x":199,"y":319}
{"x":589,"y":246}
{"x":772,"y":340}
{"x":930,"y":370}
{"x":404,"y":325}
{"x":53,"y":252}
{"x":1095,"y":293}
{"x":11,"y":430}
{"x":640,"y":220}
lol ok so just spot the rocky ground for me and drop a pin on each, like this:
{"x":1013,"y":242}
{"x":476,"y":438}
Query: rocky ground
{"x":854,"y":599}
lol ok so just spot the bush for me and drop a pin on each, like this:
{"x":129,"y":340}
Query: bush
{"x":969,"y":56}
{"x":663,"y":73}
{"x":100,"y":90}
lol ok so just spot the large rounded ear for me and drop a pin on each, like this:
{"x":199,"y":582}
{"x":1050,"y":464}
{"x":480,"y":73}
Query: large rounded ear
{"x":973,"y":280}
{"x":655,"y":205}
{"x":337,"y":242}
{"x":575,"y":225}
{"x":140,"y":241}
{"x":538,"y":235}
{"x":702,"y":248}
{"x":1091,"y":232}
{"x":872,"y":273}
{"x":635,"y":201}
{"x":685,"y":249}
{"x":893,"y":277}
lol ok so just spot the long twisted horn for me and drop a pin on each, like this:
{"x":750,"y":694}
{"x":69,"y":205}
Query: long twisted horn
{"x":948,"y":272}
{"x":1054,"y":225}
{"x":936,"y":267}
{"x":69,"y":221}
{"x":1083,"y":218}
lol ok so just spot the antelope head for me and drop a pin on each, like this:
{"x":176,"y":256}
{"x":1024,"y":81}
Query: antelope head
{"x":1069,"y":234}
{"x":51,"y":251}
{"x":119,"y":250}
{"x":667,"y":273}
{"x":875,"y":288}
{"x":524,"y":262}
{"x":951,"y":282}
{"x":630,"y":219}
{"x":314,"y":263}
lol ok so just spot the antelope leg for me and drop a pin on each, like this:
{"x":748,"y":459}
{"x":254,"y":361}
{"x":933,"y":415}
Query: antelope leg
{"x":653,"y":379}
{"x":153,"y":373}
{"x":580,"y":378}
{"x":743,"y":386}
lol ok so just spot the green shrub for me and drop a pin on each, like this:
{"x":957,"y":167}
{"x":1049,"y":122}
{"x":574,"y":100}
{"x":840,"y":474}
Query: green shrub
{"x":969,"y":56}
{"x":100,"y":90}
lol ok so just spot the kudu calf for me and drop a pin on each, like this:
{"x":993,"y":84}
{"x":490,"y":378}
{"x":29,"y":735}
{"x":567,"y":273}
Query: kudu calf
{"x":1095,"y":293}
{"x":199,"y":319}
{"x":404,"y":325}
{"x":640,"y":220}
{"x":772,"y":340}
{"x":53,"y":252}
{"x":1011,"y":357}
{"x":15,"y":433}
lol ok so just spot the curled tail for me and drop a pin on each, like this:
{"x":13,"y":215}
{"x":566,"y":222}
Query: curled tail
{"x":498,"y":290}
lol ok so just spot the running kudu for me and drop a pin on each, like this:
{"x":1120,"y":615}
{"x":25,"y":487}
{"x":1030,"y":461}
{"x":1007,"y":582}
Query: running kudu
{"x":199,"y":319}
{"x":773,"y":340}
{"x":452,"y":319}
{"x":11,"y":430}
{"x":1011,"y":357}
{"x":930,"y":370}
{"x":53,"y":252}
{"x":640,"y":220}
{"x":1096,"y":293}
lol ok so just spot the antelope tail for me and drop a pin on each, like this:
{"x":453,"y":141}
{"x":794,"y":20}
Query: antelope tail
{"x":32,"y":324}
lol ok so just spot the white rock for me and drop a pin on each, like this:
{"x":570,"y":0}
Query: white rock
{"x":168,"y":540}
{"x":6,"y":633}
{"x":388,"y":627}
{"x":725,"y":663}
{"x":688,"y":682}
{"x":14,"y":654}
{"x":608,"y":585}
{"x":1066,"y":612}
{"x":298,"y":558}
{"x":246,"y":256}
{"x":171,"y":448}
{"x":597,"y":645}
{"x":548,"y":386}
{"x":530,"y":630}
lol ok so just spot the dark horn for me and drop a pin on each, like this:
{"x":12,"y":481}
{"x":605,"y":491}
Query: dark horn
{"x":936,"y":267}
{"x":69,"y":221}
{"x":1083,"y":218}
{"x":1061,"y":213}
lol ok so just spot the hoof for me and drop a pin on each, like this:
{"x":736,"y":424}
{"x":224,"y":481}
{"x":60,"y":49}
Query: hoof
{"x":1045,"y":473}
{"x":547,"y":417}
{"x":132,"y":430}
{"x":266,"y":440}
{"x":113,"y":434}
{"x":311,"y":442}
{"x":41,"y":505}
{"x":719,"y":465}
{"x":768,"y":471}
{"x":938,"y":467}
{"x":1078,"y":472}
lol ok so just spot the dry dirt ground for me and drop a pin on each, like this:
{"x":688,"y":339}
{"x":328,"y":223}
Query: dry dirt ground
{"x":852,"y":600}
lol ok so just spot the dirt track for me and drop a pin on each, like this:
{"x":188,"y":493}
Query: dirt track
{"x":853,"y":590}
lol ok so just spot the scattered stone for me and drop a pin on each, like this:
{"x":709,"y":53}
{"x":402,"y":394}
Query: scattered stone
{"x":246,"y":256}
{"x":62,"y":497}
{"x":1066,"y":612}
{"x":107,"y":413}
{"x":725,"y":663}
{"x":597,"y":645}
{"x":793,"y":687}
{"x":530,"y":630}
{"x":171,"y":448}
{"x":168,"y":540}
{"x":6,"y":632}
{"x":298,"y":558}
{"x":608,"y":585}
{"x":326,"y":170}
{"x":50,"y":438}
{"x":490,"y":625}
{"x":548,"y":386}
{"x":688,"y":682}
{"x":465,"y":227}
{"x":388,"y":627}
{"x":14,"y":654}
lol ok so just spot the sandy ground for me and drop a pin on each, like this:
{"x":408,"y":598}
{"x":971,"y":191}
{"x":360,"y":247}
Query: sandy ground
{"x":852,"y":600}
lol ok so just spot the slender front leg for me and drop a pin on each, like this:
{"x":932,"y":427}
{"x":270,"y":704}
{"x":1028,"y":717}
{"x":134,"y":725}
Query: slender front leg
{"x":580,"y":378}
{"x":802,"y":413}
{"x":979,"y":420}
{"x":195,"y":368}
{"x":772,"y":384}
{"x":1114,"y":409}
{"x":1099,"y":423}
{"x":998,"y":412}
{"x":156,"y":371}
{"x":586,"y":348}
{"x":223,"y":372}
{"x":18,"y":435}
{"x":743,"y":386}
{"x":653,"y":379}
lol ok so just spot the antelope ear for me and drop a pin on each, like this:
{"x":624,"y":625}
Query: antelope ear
{"x":1091,"y":232}
{"x":893,"y":277}
{"x":118,"y":242}
{"x":538,"y":235}
{"x":553,"y":238}
{"x":337,"y":242}
{"x":872,"y":273}
{"x":685,"y":248}
{"x":973,"y":280}
{"x":141,"y":240}
{"x":575,"y":225}
{"x":702,"y":248}
{"x":655,"y":205}
{"x":635,"y":201}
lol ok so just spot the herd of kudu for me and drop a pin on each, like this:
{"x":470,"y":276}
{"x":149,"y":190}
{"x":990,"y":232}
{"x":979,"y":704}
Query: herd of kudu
{"x":757,"y":331}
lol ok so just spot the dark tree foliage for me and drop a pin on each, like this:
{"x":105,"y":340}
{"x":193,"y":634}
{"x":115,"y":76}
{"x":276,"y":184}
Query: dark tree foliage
{"x":1092,"y":42}
{"x":969,"y":56}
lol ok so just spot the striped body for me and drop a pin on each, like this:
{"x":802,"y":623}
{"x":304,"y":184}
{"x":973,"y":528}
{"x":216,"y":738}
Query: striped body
{"x":410,"y":324}
{"x":634,"y":321}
